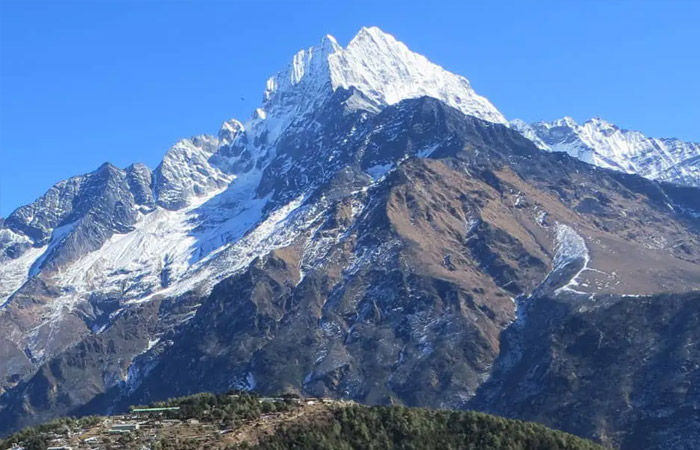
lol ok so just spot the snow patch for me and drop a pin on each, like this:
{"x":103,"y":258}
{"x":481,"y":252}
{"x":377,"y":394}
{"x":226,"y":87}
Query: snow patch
{"x":570,"y":248}
{"x":15,"y":272}
{"x":427,"y":151}
{"x":379,"y":171}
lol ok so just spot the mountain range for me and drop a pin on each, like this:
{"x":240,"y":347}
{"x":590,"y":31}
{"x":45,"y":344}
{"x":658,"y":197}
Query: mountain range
{"x":604,"y":144}
{"x":376,"y":231}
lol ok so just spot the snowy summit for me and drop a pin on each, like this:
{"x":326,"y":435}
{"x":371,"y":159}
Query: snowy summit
{"x":381,"y":69}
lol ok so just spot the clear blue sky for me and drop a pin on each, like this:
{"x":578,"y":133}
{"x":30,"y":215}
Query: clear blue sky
{"x":85,"y":82}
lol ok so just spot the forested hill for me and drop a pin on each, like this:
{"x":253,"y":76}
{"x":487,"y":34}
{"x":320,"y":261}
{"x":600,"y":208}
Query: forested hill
{"x":361,"y":427}
{"x":245,"y":421}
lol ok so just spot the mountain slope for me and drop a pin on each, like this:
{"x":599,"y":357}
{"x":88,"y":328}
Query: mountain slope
{"x":389,"y":274}
{"x":629,"y":363}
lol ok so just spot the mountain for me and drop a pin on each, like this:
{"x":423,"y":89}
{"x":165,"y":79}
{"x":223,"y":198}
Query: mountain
{"x":97,"y":242}
{"x":604,"y":144}
{"x":376,"y":231}
{"x":241,"y":420}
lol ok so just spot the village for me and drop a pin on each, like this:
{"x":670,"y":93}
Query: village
{"x":153,"y":428}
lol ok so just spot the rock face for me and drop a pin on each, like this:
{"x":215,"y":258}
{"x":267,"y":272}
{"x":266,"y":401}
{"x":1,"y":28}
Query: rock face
{"x":186,"y":172}
{"x":389,"y":242}
{"x":621,"y":372}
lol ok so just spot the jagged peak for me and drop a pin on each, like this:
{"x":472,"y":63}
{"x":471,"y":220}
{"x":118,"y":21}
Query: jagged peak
{"x":569,"y":122}
{"x":198,"y":148}
{"x":307,"y":64}
{"x":375,"y":63}
{"x":108,"y":169}
{"x":371,"y":31}
{"x":137,"y":167}
{"x":595,"y":124}
{"x":107,"y":166}
{"x":566,"y":121}
{"x":229,"y":130}
{"x":602,"y":143}
{"x":601,"y":125}
{"x":329,"y":43}
{"x":518,"y":123}
{"x":374,"y":35}
{"x":600,"y":121}
{"x":204,"y":142}
{"x":232,"y":125}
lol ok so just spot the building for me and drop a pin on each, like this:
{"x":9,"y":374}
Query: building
{"x":155,"y":410}
{"x":119,"y":432}
{"x":125,"y":426}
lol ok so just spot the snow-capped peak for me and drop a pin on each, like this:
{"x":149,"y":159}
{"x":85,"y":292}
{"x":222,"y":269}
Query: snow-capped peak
{"x":604,"y":144}
{"x":386,"y":71}
{"x":308,"y":67}
{"x":383,"y":69}
{"x":229,"y":131}
{"x":566,"y":121}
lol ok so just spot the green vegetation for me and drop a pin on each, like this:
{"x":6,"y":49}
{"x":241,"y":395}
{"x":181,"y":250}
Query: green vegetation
{"x":245,"y":421}
{"x":375,"y":428}
{"x":229,"y":410}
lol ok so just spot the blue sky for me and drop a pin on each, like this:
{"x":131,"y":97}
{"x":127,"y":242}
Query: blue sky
{"x":85,"y":82}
